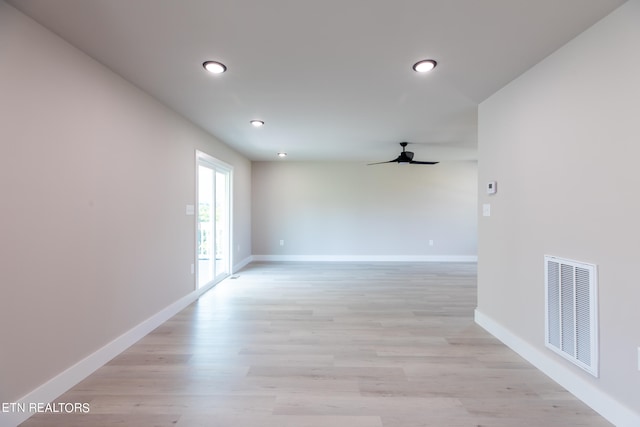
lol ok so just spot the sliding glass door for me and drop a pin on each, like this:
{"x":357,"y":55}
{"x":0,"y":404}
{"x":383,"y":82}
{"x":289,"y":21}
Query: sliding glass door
{"x":213,"y":220}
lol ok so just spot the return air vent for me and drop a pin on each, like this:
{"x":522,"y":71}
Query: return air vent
{"x":571,"y":319}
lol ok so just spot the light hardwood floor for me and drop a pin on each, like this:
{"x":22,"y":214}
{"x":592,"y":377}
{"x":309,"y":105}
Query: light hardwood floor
{"x":326,"y":344}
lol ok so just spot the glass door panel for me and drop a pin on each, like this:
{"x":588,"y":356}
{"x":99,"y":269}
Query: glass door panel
{"x":214,"y":220}
{"x":206,"y":237}
{"x":222,"y":224}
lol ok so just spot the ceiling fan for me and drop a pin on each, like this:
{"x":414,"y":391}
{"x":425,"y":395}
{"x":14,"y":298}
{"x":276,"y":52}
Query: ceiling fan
{"x":405,"y":157}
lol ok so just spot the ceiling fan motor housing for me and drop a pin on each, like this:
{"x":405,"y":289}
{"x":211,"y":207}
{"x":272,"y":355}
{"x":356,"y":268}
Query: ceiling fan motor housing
{"x":405,"y":157}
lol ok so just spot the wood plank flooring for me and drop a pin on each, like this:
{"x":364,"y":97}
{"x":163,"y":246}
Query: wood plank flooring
{"x":326,"y":344}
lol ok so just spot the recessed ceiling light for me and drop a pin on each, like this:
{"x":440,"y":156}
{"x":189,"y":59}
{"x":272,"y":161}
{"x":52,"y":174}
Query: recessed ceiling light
{"x":257,"y":123}
{"x":424,"y":66}
{"x":214,"y":67}
{"x":282,"y":154}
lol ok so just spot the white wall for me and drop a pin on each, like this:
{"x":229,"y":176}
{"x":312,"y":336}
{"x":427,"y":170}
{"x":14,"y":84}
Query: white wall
{"x":562,"y":142}
{"x":94,"y":179}
{"x":350,"y":210}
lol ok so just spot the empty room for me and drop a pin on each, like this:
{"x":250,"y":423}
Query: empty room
{"x":319,"y":213}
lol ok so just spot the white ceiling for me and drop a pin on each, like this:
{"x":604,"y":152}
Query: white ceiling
{"x":332,"y":79}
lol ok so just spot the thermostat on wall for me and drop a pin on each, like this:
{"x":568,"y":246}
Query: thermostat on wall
{"x":492,"y":187}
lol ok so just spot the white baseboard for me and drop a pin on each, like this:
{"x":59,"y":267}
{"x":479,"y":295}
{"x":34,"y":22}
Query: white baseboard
{"x":605,"y":405}
{"x":62,"y":382}
{"x":368,"y":258}
{"x":237,"y":267}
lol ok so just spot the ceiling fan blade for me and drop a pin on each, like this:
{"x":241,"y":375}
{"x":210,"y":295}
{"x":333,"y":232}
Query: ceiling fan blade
{"x":390,"y":161}
{"x":415,"y":162}
{"x":379,"y":163}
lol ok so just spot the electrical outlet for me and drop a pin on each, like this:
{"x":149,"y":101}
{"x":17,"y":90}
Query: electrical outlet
{"x":430,"y":242}
{"x":281,"y":242}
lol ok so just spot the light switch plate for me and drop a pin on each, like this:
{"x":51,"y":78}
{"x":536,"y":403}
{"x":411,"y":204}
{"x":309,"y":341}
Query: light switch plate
{"x":486,"y":209}
{"x":190,"y":210}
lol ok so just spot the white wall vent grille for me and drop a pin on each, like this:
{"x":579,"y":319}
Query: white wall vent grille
{"x":571,"y":319}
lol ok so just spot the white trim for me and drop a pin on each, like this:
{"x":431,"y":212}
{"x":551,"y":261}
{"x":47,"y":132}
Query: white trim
{"x":62,"y":382}
{"x":368,"y":258}
{"x":614,"y":411}
{"x":206,"y":160}
{"x":242,"y":264}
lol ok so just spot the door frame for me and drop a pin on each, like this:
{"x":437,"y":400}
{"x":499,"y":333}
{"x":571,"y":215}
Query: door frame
{"x":204,"y":159}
